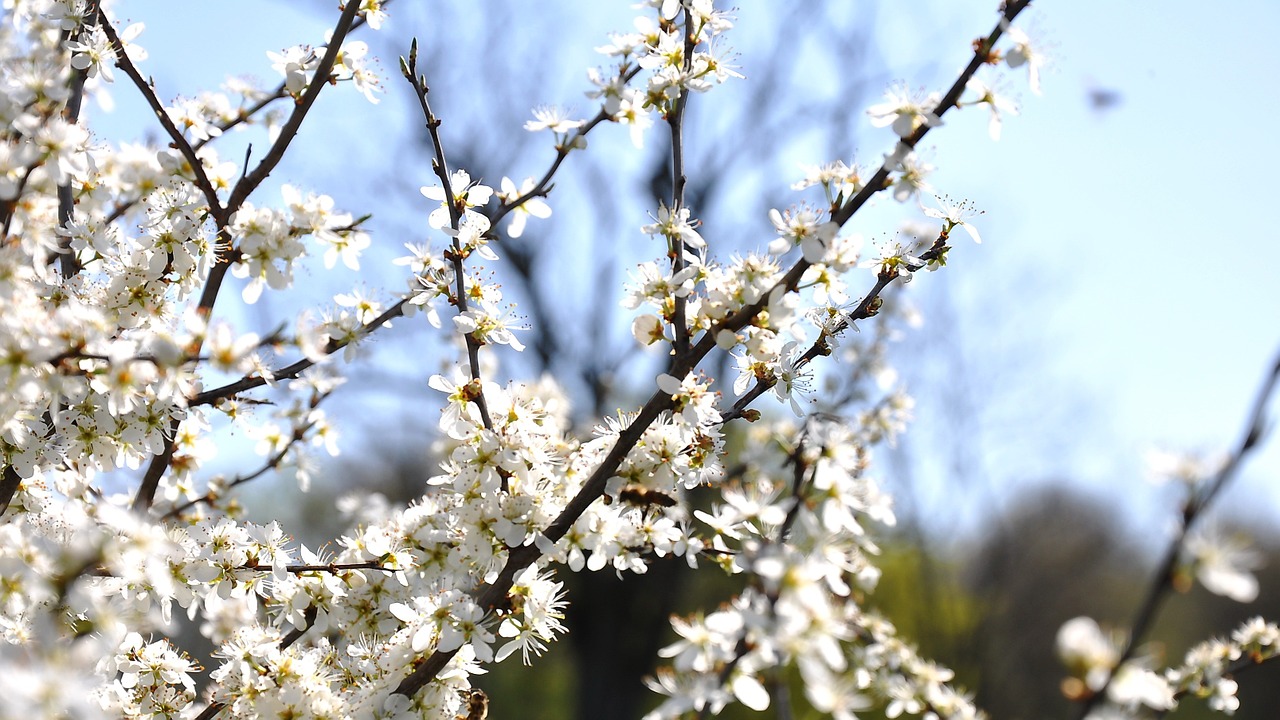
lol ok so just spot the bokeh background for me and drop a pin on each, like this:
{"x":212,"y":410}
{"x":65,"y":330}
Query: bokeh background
{"x":1125,"y":296}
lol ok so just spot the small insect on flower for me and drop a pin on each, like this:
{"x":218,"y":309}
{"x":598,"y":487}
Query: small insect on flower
{"x":643,"y":497}
{"x":477,"y":706}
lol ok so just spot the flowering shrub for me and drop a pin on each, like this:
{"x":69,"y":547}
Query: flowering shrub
{"x":116,"y":365}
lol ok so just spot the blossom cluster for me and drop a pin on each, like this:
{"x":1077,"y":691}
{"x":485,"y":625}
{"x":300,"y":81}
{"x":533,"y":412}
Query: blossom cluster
{"x":677,"y":57}
{"x":794,"y":523}
{"x":1206,"y":672}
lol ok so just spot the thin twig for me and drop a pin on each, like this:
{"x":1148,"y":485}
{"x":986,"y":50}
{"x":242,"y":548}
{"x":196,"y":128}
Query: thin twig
{"x":543,"y":186}
{"x":297,"y":368}
{"x":272,"y":463}
{"x":456,"y":212}
{"x":865,"y":308}
{"x":981,"y":56}
{"x":329,"y":567}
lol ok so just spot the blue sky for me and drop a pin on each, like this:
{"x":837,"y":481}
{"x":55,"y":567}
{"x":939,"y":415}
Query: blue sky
{"x":1128,"y":252}
{"x":1150,"y":219}
{"x":1125,"y":294}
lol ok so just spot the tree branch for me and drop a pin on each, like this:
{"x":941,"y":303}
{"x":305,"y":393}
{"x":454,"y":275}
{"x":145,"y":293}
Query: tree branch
{"x":680,"y":324}
{"x":441,"y":167}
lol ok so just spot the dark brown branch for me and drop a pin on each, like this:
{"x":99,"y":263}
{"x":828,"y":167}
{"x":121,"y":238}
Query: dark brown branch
{"x":291,"y":371}
{"x":519,"y":558}
{"x":279,"y":93}
{"x":541,"y":189}
{"x":160,"y":462}
{"x":155,"y":470}
{"x":247,"y":114}
{"x":9,"y":485}
{"x":250,"y":182}
{"x":68,"y":264}
{"x":865,"y":308}
{"x":878,"y":182}
{"x":329,"y":568}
